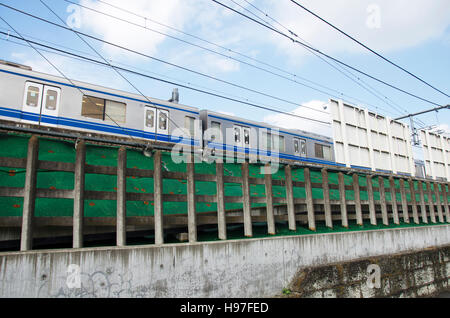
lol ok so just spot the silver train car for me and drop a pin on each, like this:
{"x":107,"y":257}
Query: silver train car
{"x":250,"y":138}
{"x":40,"y":99}
{"x":35,"y":98}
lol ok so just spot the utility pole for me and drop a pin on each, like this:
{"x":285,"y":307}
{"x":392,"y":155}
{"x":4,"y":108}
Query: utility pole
{"x":415,"y":137}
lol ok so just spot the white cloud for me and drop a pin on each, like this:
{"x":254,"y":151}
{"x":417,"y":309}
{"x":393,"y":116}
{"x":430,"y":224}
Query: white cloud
{"x":403,"y":24}
{"x":291,"y":122}
{"x":112,"y":30}
{"x":443,"y":129}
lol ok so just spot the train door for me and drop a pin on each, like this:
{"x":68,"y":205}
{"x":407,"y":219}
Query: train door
{"x":299,"y":147}
{"x":50,"y":106}
{"x":163,"y":123}
{"x":41,"y":104}
{"x":150,"y":121}
{"x":238,"y":136}
{"x":32,"y":102}
{"x":246,"y":137}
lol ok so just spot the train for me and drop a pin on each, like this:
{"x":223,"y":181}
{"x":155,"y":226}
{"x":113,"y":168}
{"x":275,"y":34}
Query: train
{"x":35,"y":98}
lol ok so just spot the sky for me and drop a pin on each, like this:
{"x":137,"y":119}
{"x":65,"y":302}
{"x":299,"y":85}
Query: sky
{"x":412,"y":33}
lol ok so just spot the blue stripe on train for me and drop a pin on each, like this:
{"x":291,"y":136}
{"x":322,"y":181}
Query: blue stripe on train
{"x":271,"y":154}
{"x":13,"y":113}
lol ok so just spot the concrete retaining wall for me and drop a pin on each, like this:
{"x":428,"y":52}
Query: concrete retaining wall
{"x":416,"y":274}
{"x":244,"y":268}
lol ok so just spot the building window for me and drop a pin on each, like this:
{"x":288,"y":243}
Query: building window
{"x":93,"y":107}
{"x":33,"y":95}
{"x":189,"y":124}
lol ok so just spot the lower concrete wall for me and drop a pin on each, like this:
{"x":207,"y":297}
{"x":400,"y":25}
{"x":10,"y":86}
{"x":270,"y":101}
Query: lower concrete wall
{"x":416,"y":274}
{"x":244,"y":268}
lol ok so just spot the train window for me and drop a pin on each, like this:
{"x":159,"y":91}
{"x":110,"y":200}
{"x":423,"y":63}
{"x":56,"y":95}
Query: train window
{"x":33,"y":96}
{"x":115,"y":112}
{"x":327,"y":153}
{"x":319,"y":150}
{"x":162,"y":123}
{"x":189,"y":124}
{"x":300,"y":147}
{"x":267,"y":141}
{"x":150,"y":118}
{"x":93,"y":107}
{"x":51,"y":99}
{"x":323,"y":152}
{"x":246,"y":137}
{"x":278,"y":143}
{"x":303,"y":147}
{"x":237,"y":135}
{"x":216,"y":131}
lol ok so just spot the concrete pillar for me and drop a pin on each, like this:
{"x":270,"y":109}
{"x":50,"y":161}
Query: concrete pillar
{"x":192,"y":209}
{"x":373,"y":217}
{"x":269,"y":200}
{"x":445,"y":198}
{"x":423,"y":208}
{"x":343,"y":200}
{"x":29,"y":199}
{"x":326,"y":199}
{"x":382,"y":191}
{"x":430,"y":203}
{"x":246,"y":200}
{"x":290,"y":198}
{"x":413,"y":201}
{"x":221,"y":219}
{"x":438,"y":202}
{"x":394,"y":200}
{"x":309,"y":200}
{"x":404,"y":201}
{"x":121,"y":226}
{"x":357,"y":192}
{"x":158,"y":198}
{"x":78,"y":202}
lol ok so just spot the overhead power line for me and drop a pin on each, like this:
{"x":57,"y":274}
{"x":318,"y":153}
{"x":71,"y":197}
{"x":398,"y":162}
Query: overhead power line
{"x":159,"y":60}
{"x":166,"y":81}
{"x":106,"y":61}
{"x":60,"y":72}
{"x":369,"y":49}
{"x":118,"y":63}
{"x":294,"y":76}
{"x":326,"y":55}
{"x":335,"y":66}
